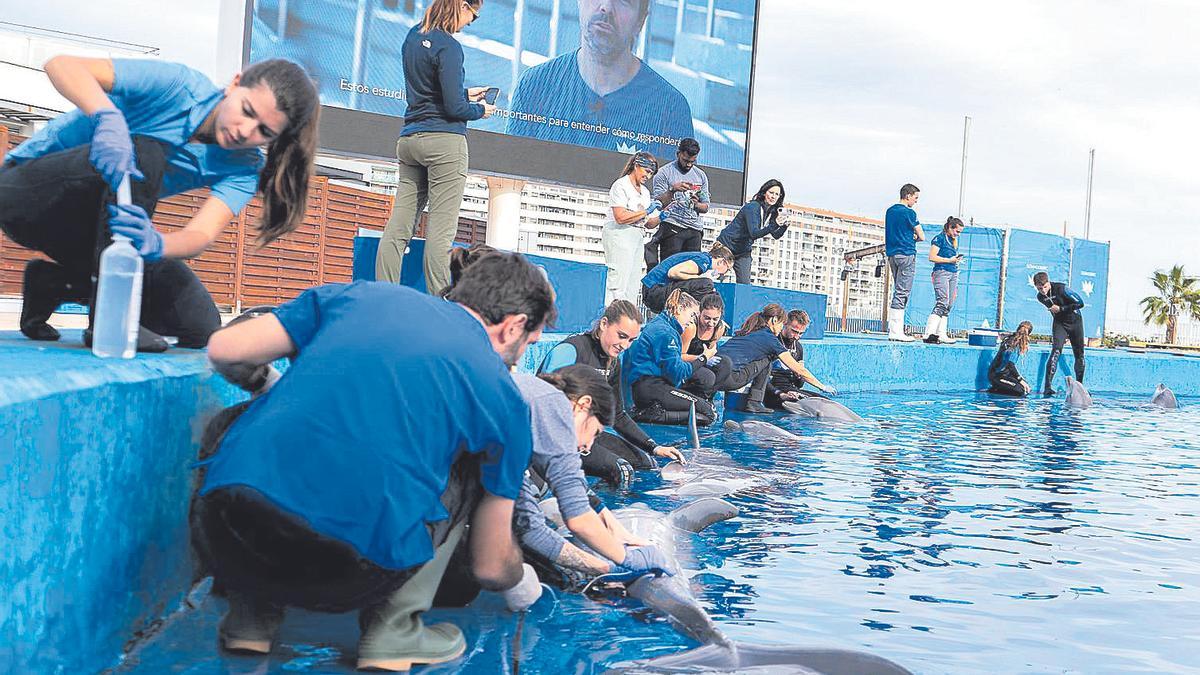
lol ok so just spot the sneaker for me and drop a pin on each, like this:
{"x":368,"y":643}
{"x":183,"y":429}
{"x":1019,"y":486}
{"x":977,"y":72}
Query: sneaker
{"x":756,"y":408}
{"x":249,"y":626}
{"x":437,"y":643}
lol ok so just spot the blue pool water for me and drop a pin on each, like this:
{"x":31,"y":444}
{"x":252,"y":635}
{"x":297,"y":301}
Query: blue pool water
{"x":951,"y":533}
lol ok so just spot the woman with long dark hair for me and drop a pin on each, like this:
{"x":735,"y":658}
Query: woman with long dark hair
{"x":632,"y":212}
{"x":431,"y":153}
{"x":170,"y":129}
{"x":761,"y":216}
{"x":943,"y":253}
{"x":1003,"y":374}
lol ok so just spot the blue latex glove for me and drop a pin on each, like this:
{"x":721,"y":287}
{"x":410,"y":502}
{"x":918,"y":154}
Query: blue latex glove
{"x":645,"y":560}
{"x":652,"y":211}
{"x":112,"y":147}
{"x":714,"y":361}
{"x":830,"y":390}
{"x":131,"y":220}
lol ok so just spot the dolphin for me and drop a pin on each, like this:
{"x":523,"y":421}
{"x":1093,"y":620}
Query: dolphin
{"x":823,"y":409}
{"x":774,"y":660}
{"x":1077,"y":394}
{"x":693,"y":432}
{"x":1164,"y":397}
{"x":763,"y":431}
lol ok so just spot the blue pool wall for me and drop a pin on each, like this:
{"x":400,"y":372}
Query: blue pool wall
{"x":97,"y":472}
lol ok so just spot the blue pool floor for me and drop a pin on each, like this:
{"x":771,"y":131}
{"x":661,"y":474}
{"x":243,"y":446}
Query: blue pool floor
{"x":951,"y":532}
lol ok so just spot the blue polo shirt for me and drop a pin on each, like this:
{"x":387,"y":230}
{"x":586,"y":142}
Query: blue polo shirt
{"x":167,"y":102}
{"x":946,"y":249}
{"x":658,"y":275}
{"x":742,"y":350}
{"x":359,"y":435}
{"x":899,"y":224}
{"x":553,"y":103}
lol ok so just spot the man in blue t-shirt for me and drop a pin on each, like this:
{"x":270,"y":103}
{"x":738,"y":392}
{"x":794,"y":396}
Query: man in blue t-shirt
{"x":349,"y":483}
{"x":901,"y":234}
{"x":601,"y":95}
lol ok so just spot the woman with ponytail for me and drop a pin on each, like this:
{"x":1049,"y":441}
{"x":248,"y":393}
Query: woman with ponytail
{"x":1003,"y":374}
{"x":170,"y":129}
{"x":664,"y":386}
{"x":943,"y":253}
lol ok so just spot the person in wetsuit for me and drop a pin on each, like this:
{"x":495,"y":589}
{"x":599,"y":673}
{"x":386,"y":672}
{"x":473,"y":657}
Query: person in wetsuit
{"x":788,"y":383}
{"x":663,"y":385}
{"x":1064,"y":304}
{"x":1003,"y":375}
{"x":700,"y":339}
{"x":613,"y":455}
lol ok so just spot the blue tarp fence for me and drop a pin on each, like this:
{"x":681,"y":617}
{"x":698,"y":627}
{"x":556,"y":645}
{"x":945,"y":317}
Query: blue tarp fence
{"x":978,"y":279}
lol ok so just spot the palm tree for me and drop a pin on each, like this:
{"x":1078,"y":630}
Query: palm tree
{"x":1177,"y":294}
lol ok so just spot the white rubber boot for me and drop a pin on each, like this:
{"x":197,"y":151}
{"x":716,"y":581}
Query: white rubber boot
{"x":943,"y":337}
{"x":896,"y":328}
{"x":931,"y":329}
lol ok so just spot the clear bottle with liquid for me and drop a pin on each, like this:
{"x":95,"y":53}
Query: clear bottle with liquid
{"x":118,"y":295}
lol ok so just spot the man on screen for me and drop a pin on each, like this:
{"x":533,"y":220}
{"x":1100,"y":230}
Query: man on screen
{"x":601,"y":95}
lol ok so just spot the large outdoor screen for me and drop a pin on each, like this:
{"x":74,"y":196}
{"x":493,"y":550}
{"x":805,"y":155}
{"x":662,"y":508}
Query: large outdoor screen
{"x":581,"y":81}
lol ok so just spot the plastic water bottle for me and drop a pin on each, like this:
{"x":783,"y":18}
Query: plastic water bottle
{"x":118,"y":295}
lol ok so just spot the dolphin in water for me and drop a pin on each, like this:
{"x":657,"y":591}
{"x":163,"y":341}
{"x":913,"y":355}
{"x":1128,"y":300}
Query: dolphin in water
{"x":823,"y":409}
{"x":693,"y":431}
{"x":763,"y":431}
{"x":1077,"y":394}
{"x":1164,"y":397}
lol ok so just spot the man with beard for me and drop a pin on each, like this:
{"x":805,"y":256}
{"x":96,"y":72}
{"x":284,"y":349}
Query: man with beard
{"x":604,"y":94}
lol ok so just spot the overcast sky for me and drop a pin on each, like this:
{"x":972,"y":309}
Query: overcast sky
{"x":853,"y":99}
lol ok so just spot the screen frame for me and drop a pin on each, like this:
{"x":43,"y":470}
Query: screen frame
{"x":359,"y":134}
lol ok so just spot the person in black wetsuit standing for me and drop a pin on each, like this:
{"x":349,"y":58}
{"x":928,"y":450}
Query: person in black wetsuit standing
{"x":1064,"y":304}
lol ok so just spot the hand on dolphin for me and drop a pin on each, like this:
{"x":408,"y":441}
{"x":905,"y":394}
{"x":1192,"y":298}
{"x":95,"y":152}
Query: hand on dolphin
{"x":643,"y":560}
{"x":670,"y":452}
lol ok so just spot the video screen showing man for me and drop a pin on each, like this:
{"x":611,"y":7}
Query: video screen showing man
{"x":601,"y":95}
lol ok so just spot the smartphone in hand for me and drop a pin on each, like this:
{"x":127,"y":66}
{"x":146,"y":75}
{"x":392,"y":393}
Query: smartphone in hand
{"x":490,"y":95}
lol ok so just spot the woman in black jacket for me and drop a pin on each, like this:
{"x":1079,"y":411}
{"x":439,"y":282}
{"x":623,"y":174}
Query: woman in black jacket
{"x":761,"y":216}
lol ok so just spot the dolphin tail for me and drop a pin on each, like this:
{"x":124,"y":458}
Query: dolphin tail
{"x":697,"y":515}
{"x":693,"y":432}
{"x":741,"y":656}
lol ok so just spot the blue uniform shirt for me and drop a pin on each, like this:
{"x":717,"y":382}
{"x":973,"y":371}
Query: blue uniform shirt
{"x":433,"y":84}
{"x":657,"y":353}
{"x":553,"y":103}
{"x":946,"y":249}
{"x":658,"y":275}
{"x":742,"y":350}
{"x":899,"y":224}
{"x":167,"y":102}
{"x":359,"y":435}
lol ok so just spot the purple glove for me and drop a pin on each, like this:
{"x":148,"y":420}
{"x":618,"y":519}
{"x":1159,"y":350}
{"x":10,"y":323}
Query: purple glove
{"x":131,"y":220}
{"x":645,"y":560}
{"x":112,"y":147}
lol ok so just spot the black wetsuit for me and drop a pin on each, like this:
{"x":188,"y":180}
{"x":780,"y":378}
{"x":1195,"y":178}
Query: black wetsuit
{"x":784,"y":380}
{"x":697,"y":346}
{"x":1003,"y":375}
{"x":630,"y":444}
{"x":1068,"y":325}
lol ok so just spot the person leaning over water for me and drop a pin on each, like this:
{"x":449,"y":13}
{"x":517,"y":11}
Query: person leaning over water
{"x":601,"y":348}
{"x":170,"y":129}
{"x":349,"y":483}
{"x":787,"y":382}
{"x":690,"y":272}
{"x":431,"y":153}
{"x":943,"y":253}
{"x":1003,"y":374}
{"x":655,"y":369}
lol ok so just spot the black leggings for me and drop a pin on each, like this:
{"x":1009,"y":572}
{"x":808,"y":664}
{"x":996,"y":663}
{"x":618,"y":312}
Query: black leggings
{"x":1007,"y":381}
{"x":756,"y":373}
{"x":1071,"y":329}
{"x":656,"y":298}
{"x":657,"y":402}
{"x":57,"y":204}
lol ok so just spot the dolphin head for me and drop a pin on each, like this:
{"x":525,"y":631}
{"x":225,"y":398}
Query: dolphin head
{"x":1077,"y":394}
{"x":1164,"y":397}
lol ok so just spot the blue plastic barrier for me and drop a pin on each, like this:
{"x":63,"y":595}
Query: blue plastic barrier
{"x":580,"y":286}
{"x":1089,"y":278}
{"x":978,"y":279}
{"x":1028,"y":254}
{"x":742,"y":300}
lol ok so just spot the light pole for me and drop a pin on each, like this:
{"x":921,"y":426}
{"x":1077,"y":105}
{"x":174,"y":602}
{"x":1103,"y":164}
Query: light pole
{"x":962,"y":176}
{"x":1087,"y":215}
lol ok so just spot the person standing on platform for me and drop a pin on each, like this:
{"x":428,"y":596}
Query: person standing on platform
{"x":631,"y":212}
{"x":350,"y":482}
{"x":761,"y":216}
{"x":682,"y":189}
{"x":689,"y":272}
{"x":431,"y":153}
{"x":943,"y":253}
{"x":902,"y":231}
{"x":1064,"y":304}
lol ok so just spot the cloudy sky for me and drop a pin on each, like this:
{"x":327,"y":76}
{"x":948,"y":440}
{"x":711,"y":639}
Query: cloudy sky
{"x":854,"y":99}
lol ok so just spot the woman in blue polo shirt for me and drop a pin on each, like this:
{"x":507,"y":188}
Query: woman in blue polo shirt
{"x":655,"y":370}
{"x":943,"y":253}
{"x":171,"y":130}
{"x":761,"y":216}
{"x":687,"y":272}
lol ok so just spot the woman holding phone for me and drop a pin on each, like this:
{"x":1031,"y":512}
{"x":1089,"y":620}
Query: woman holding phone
{"x":943,"y":253}
{"x":761,"y":216}
{"x":432,"y":149}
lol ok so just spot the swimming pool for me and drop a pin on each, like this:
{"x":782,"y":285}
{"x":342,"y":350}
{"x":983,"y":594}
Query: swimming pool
{"x":951,"y":532}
